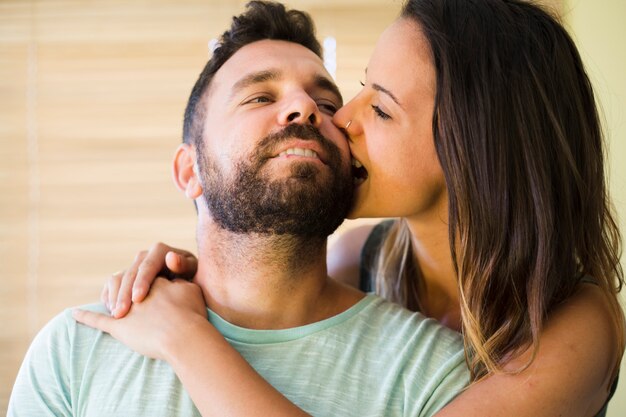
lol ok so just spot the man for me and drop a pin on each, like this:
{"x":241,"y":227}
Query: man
{"x":271,"y":179}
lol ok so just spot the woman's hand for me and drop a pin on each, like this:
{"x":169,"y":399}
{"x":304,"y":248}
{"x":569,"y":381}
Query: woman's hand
{"x":171,"y":313}
{"x":171,"y":324}
{"x":132,"y":285}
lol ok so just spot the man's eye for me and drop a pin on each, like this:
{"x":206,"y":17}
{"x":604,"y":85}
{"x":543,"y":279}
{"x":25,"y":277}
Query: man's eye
{"x":260,"y":99}
{"x":327,"y":108}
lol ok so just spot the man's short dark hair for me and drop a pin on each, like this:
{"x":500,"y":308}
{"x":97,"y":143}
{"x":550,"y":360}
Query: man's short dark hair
{"x":261,"y":20}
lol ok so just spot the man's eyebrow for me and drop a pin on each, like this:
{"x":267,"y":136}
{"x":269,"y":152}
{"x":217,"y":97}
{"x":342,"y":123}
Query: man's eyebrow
{"x":326,"y":84}
{"x":255,"y":78}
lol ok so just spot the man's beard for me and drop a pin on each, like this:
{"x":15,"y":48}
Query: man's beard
{"x":301,"y":205}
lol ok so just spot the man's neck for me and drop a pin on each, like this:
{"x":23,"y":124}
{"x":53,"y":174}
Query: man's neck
{"x":261,"y":281}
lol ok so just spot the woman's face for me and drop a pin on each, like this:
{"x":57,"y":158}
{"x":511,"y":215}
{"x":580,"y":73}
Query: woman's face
{"x":391,"y":129}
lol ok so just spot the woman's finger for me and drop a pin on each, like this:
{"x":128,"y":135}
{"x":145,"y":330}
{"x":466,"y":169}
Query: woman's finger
{"x":183,"y":264}
{"x":150,"y":268}
{"x":112,"y":288}
{"x":104,"y":295}
{"x":123,"y":300}
{"x":96,"y":320}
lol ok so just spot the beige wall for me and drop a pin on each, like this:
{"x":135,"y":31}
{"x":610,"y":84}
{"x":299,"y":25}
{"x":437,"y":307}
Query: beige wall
{"x":599,"y":31}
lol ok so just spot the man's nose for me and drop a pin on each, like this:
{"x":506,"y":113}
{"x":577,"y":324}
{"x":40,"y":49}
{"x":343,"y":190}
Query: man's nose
{"x":301,"y":109}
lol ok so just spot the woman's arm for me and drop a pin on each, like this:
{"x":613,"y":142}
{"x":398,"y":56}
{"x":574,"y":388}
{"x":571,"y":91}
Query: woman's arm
{"x":170,"y":324}
{"x":570,"y":375}
{"x":220,"y":381}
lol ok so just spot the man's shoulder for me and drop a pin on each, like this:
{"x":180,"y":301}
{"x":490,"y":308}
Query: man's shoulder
{"x":392,"y":316}
{"x":63,"y":339}
{"x":64,"y":326}
{"x":80,"y":352}
{"x":70,"y":366}
{"x":432,"y":354}
{"x":422,"y":361}
{"x":389,"y":326}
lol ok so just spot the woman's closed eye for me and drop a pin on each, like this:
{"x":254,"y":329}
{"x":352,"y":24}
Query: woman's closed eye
{"x":380,"y":113}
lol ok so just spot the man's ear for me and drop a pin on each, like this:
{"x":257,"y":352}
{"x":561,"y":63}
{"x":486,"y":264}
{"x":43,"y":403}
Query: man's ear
{"x":183,"y":169}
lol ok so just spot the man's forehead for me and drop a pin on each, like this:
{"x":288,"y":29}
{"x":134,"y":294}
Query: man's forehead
{"x":280,"y":58}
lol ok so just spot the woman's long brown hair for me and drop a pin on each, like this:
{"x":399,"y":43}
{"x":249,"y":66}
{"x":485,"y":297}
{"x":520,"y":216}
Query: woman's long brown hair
{"x":519,"y":139}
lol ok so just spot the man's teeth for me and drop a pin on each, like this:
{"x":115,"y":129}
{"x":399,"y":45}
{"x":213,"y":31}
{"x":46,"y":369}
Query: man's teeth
{"x":300,"y":152}
{"x":359,"y":173}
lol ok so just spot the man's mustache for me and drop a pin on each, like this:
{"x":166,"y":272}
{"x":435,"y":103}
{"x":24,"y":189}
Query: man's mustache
{"x":265,"y":149}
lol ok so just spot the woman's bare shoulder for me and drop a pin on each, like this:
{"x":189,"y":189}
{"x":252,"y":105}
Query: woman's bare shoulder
{"x":344,"y":255}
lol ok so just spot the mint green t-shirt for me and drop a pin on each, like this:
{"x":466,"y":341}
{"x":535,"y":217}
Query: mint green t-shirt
{"x":375,"y":359}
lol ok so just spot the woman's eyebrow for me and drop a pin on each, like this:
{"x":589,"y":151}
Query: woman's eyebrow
{"x":380,"y":88}
{"x":383,"y":90}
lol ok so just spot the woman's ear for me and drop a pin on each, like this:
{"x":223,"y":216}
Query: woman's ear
{"x":186,"y":177}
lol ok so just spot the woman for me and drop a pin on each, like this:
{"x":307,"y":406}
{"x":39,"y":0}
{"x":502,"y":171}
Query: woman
{"x":477,"y":129}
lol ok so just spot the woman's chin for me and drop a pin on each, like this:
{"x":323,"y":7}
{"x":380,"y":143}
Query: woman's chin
{"x":357,"y":204}
{"x":363,"y":207}
{"x":359,"y":209}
